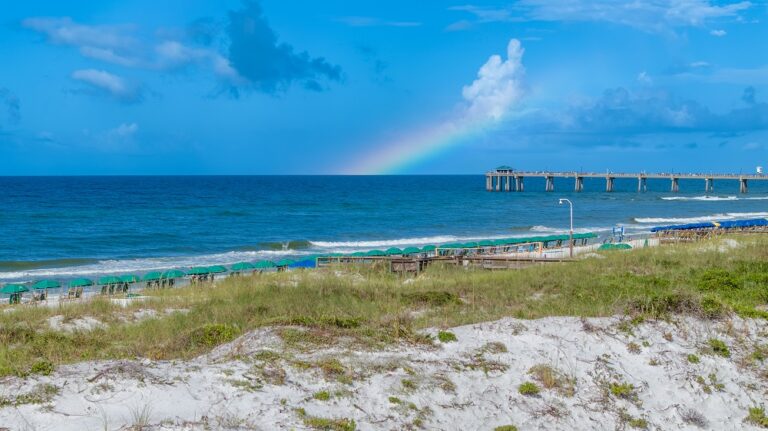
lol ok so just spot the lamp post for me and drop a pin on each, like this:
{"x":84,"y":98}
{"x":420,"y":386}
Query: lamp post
{"x":570,"y":241}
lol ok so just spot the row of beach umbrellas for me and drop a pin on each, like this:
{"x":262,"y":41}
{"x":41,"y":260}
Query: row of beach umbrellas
{"x":304,"y":262}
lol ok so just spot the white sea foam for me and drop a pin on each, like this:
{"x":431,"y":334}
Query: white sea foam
{"x":706,"y":198}
{"x":141,"y":265}
{"x":700,"y":219}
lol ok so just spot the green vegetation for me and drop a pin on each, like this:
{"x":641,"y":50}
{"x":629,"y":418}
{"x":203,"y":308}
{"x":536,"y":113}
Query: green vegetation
{"x":322,"y":396}
{"x":372,"y":307}
{"x":550,"y":378}
{"x":43,"y":367}
{"x":529,"y":389}
{"x":446,"y":337}
{"x":395,"y":400}
{"x":693,"y":359}
{"x":719,"y":348}
{"x":622,"y":390}
{"x":506,"y":428}
{"x":40,"y":394}
{"x":326,"y":424}
{"x":757,"y":417}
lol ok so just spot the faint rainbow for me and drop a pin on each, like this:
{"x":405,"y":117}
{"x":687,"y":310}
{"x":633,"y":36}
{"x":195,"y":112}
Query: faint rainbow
{"x":394,"y":157}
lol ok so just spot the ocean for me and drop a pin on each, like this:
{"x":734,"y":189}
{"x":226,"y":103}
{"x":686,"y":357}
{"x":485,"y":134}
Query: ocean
{"x":65,"y":227}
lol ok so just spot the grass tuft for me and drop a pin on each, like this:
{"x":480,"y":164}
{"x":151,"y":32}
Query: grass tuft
{"x":719,"y":347}
{"x":529,"y":389}
{"x":446,"y":337}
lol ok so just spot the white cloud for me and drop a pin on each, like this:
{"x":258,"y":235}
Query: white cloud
{"x":644,"y":78}
{"x":718,"y":33}
{"x":124,"y":130}
{"x":652,"y":16}
{"x":108,"y":55}
{"x":108,"y":83}
{"x":65,"y":31}
{"x":698,"y":64}
{"x":174,"y":54}
{"x":498,"y":85}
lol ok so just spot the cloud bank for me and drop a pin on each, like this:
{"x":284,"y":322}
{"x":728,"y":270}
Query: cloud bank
{"x":103,"y":82}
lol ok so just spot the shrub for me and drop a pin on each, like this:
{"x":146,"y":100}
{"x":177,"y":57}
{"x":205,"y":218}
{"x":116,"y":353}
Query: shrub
{"x":43,"y":367}
{"x":529,"y":389}
{"x":211,"y":335}
{"x":408,"y":384}
{"x":633,"y":348}
{"x":693,"y":359}
{"x":446,"y":337}
{"x":322,"y":396}
{"x":638,"y":423}
{"x":435,"y":298}
{"x":622,"y":390}
{"x":757,"y":417}
{"x":506,"y":428}
{"x":712,"y":308}
{"x":395,"y":400}
{"x":719,"y":348}
{"x":551,"y":378}
{"x":717,"y":279}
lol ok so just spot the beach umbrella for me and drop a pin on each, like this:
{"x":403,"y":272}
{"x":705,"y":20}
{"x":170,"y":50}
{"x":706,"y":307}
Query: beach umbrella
{"x":111,"y":279}
{"x":428,"y":248}
{"x":152,"y":276}
{"x":470,"y":244}
{"x":10,"y":289}
{"x":392,"y":251}
{"x":264,"y":264}
{"x":199,"y":270}
{"x":375,"y":253}
{"x":358,"y":254}
{"x":46,"y":284}
{"x":172,"y":273}
{"x":486,"y":243}
{"x":129,"y":278}
{"x":241,"y":266}
{"x":284,"y":262}
{"x":411,"y":250}
{"x":80,"y":282}
{"x":217,"y":269}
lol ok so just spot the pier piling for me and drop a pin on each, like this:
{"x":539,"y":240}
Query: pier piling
{"x":675,"y":184}
{"x":609,"y":184}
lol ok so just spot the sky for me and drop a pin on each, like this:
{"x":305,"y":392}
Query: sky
{"x":369,"y":87}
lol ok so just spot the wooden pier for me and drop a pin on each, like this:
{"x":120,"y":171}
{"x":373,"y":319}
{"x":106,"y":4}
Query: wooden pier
{"x":509,"y":180}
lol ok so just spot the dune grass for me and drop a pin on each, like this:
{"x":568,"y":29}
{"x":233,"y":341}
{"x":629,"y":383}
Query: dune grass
{"x":374,"y":307}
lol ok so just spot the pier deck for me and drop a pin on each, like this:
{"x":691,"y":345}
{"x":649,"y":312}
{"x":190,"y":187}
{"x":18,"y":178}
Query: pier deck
{"x":512,"y":180}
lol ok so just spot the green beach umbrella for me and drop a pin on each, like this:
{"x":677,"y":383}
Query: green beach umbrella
{"x":217,"y":269}
{"x":129,"y":278}
{"x":393,"y":251}
{"x":470,"y":244}
{"x":152,"y":276}
{"x":411,"y":250}
{"x":199,"y":270}
{"x":110,"y":280}
{"x":80,"y":282}
{"x":264,"y":264}
{"x":427,"y":248}
{"x":486,"y":243}
{"x":284,"y":262}
{"x":375,"y":253}
{"x":242,"y":266}
{"x":10,"y":289}
{"x":173,"y":273}
{"x":358,"y":254}
{"x":46,"y":284}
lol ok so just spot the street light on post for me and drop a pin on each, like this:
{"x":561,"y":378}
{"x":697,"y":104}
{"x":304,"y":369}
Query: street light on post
{"x":570,"y":206}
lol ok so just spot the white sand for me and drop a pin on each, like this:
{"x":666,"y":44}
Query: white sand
{"x":229,"y":389}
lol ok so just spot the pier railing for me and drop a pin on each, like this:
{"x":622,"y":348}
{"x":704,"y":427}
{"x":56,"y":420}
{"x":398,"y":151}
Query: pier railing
{"x":514,"y":181}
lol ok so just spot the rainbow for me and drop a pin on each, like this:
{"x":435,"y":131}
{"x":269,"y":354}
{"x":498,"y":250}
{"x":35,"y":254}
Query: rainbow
{"x":396,"y":157}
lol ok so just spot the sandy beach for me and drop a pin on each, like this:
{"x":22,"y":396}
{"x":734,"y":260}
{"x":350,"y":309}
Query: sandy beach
{"x":256,"y":382}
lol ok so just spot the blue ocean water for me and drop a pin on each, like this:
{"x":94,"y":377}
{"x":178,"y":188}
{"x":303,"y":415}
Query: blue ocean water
{"x":73,"y":226}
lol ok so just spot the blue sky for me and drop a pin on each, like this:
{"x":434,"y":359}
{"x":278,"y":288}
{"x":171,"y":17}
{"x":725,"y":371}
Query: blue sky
{"x":324,"y":87}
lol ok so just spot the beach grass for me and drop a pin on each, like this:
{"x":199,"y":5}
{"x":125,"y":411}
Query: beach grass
{"x":373,"y":307}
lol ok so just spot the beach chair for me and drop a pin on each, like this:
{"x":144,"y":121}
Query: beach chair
{"x":78,"y":293}
{"x":71,"y":293}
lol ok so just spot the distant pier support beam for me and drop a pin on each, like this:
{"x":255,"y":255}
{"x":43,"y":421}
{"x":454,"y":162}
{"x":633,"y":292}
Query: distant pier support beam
{"x":743,"y":185}
{"x":709,"y":185}
{"x":507,"y":181}
{"x":488,"y":181}
{"x":498,"y":183}
{"x":642,"y":185}
{"x":609,"y":184}
{"x":675,"y":184}
{"x":550,"y":186}
{"x":579,"y":184}
{"x":519,"y":184}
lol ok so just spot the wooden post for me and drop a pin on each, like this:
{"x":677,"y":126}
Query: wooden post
{"x":498,"y":182}
{"x":579,"y":183}
{"x":709,"y":185}
{"x":521,"y":185}
{"x":609,"y":184}
{"x":675,"y":184}
{"x":641,"y":184}
{"x":550,"y":184}
{"x":743,"y":185}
